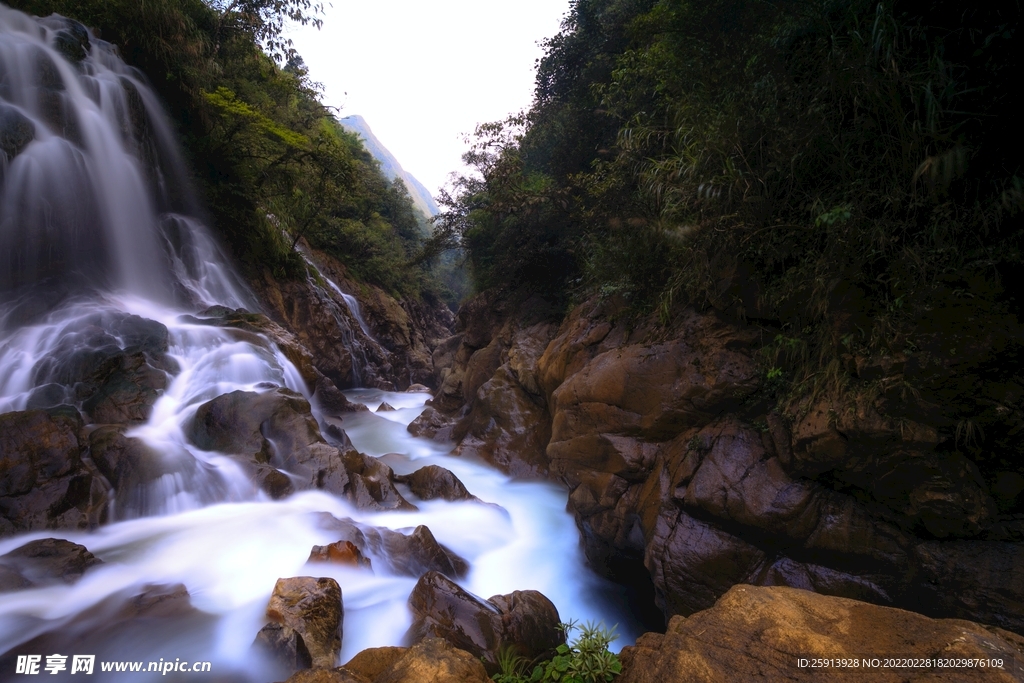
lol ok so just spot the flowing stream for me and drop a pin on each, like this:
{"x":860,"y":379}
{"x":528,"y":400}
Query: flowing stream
{"x":98,"y":235}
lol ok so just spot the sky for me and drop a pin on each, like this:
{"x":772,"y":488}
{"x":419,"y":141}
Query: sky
{"x":423,"y":74}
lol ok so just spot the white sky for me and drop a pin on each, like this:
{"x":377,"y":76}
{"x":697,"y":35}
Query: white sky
{"x":422,"y":74}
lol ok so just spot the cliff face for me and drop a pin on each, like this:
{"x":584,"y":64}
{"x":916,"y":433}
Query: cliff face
{"x":371,"y":339}
{"x":683,"y":474}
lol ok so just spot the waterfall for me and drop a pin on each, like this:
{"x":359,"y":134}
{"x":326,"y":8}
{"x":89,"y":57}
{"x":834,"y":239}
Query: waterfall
{"x":104,"y":255}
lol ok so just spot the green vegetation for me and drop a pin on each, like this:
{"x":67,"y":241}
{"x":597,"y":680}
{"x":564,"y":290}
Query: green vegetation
{"x":585,"y":660}
{"x":272,"y":162}
{"x":834,"y":170}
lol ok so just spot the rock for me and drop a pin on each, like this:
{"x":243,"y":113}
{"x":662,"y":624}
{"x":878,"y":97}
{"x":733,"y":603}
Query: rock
{"x":331,"y":400}
{"x":283,"y":646}
{"x":43,"y":562}
{"x":506,"y":427}
{"x":275,"y":429}
{"x":371,"y":662}
{"x":525,"y":620}
{"x":434,"y":661}
{"x":759,"y":633}
{"x":129,"y":465}
{"x":16,"y":131}
{"x":385,"y":407}
{"x":305,"y":616}
{"x":44,"y":483}
{"x":341,"y":552}
{"x":418,"y":389}
{"x":410,"y":554}
{"x":432,"y":481}
{"x":339,"y":675}
{"x":71,"y":39}
{"x":433,"y":424}
{"x":372,"y":484}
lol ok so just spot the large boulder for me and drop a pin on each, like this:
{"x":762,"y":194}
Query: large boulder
{"x":43,"y":562}
{"x":372,"y":484}
{"x":506,"y":427}
{"x":406,"y":554}
{"x":433,"y":481}
{"x":270,"y":431}
{"x":434,"y":660}
{"x":305,"y":615}
{"x":113,"y":365}
{"x":763,"y":633}
{"x":16,"y":131}
{"x":44,"y":482}
{"x":523,"y":620}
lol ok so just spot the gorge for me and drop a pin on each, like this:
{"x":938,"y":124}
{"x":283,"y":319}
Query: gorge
{"x":220,"y":429}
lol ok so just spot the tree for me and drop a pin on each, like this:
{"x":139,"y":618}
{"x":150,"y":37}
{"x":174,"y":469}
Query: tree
{"x":264,"y":21}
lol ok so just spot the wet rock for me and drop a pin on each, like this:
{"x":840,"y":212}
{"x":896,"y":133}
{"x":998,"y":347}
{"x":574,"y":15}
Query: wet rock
{"x":758,"y":633}
{"x":525,"y":620}
{"x":115,"y":365}
{"x":331,"y":400}
{"x":274,"y":429}
{"x":385,"y":407}
{"x":258,"y":324}
{"x":506,"y":427}
{"x":283,"y":646}
{"x":977,"y":580}
{"x":129,"y":465}
{"x":418,"y":389}
{"x":433,"y":424}
{"x":410,"y":554}
{"x":305,"y":616}
{"x":71,"y":39}
{"x":434,"y":661}
{"x":44,"y":483}
{"x":372,"y":484}
{"x":16,"y":131}
{"x":341,"y":552}
{"x":433,"y":481}
{"x":43,"y":562}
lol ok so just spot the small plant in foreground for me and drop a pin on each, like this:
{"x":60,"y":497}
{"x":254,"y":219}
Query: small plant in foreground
{"x":584,"y":660}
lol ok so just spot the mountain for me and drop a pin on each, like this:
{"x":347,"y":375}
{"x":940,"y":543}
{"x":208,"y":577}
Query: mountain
{"x":389,"y":164}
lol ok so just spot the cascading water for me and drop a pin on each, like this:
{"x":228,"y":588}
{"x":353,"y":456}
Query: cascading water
{"x":102,"y":253}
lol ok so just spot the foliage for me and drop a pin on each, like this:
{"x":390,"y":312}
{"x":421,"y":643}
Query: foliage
{"x":585,"y":660}
{"x":273,"y":163}
{"x":832,"y":169}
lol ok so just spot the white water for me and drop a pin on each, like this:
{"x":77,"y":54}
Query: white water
{"x":90,"y":232}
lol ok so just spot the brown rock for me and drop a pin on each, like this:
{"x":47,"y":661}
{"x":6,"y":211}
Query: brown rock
{"x":525,"y":620}
{"x":305,"y":616}
{"x":44,"y":483}
{"x":410,"y":554}
{"x":339,"y":675}
{"x":370,"y":663}
{"x":46,"y":561}
{"x":274,"y":428}
{"x":433,"y":481}
{"x":372,"y":484}
{"x":341,"y":552}
{"x":759,"y":633}
{"x":385,"y":407}
{"x":434,"y":661}
{"x":506,"y":427}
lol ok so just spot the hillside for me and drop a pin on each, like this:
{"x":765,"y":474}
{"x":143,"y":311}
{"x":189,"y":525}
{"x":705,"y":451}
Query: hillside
{"x":389,"y":165}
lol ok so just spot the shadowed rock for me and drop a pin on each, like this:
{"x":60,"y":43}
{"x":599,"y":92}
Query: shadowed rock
{"x":43,"y":562}
{"x":433,"y":481}
{"x":44,"y":483}
{"x":305,"y":616}
{"x":410,"y":554}
{"x":525,"y":620}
